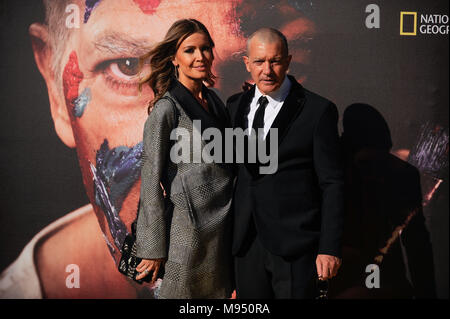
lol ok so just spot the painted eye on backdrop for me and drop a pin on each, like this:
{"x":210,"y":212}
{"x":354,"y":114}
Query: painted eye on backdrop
{"x":123,"y":75}
{"x":128,"y":67}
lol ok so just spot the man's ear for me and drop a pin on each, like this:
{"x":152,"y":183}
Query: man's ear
{"x":247,"y":62}
{"x":40,"y":43}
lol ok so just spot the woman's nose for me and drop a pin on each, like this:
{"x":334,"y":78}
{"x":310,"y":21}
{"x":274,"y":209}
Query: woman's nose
{"x":199,"y":55}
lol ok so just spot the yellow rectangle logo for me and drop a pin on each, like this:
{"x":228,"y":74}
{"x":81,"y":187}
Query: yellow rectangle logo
{"x":402,"y":14}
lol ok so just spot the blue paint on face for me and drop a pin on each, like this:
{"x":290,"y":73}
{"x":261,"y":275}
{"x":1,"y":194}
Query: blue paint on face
{"x":110,"y":246}
{"x":116,"y":171}
{"x":90,"y":5}
{"x":81,"y":102}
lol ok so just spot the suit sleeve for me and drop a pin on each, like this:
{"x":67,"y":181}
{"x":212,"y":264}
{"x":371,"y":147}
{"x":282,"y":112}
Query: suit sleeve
{"x":151,"y":221}
{"x":329,"y":170}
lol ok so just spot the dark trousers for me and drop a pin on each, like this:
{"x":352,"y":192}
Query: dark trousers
{"x":262,"y":275}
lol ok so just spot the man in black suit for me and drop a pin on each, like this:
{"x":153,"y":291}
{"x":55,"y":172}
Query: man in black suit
{"x":287,"y":225}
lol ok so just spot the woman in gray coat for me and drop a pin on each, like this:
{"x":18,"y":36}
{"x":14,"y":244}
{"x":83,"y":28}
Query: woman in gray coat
{"x":183,"y":220}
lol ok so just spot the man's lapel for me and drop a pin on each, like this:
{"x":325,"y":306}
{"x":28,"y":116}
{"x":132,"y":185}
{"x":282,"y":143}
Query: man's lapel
{"x":240,"y":118}
{"x":292,"y":107}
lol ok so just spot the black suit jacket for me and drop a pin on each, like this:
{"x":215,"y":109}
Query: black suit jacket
{"x":299,"y":208}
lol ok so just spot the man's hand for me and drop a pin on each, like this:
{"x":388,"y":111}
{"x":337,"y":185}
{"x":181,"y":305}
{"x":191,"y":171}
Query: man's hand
{"x":146,"y":266}
{"x":327,"y":266}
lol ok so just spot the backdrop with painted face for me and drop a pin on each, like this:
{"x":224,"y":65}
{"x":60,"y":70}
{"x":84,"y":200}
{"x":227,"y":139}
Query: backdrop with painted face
{"x":101,"y":112}
{"x":87,"y":90}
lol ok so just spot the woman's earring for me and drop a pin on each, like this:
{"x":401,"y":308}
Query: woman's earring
{"x":176,"y":71}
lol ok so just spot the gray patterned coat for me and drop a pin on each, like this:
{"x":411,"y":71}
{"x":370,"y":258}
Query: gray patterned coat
{"x":193,"y":233}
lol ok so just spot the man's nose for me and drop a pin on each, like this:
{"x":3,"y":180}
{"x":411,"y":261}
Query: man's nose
{"x":267,"y":67}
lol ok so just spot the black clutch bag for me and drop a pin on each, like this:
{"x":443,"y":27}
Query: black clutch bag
{"x":322,"y":289}
{"x":129,"y":261}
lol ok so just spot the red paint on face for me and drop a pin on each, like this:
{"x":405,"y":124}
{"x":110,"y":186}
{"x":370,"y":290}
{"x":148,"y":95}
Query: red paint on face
{"x":72,"y":76}
{"x":148,"y":6}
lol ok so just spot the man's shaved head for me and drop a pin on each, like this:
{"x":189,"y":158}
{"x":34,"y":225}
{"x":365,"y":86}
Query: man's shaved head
{"x":268,"y":35}
{"x":267,"y":59}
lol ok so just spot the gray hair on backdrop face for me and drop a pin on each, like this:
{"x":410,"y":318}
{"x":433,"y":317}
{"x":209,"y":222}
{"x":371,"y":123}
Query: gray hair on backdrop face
{"x":59,"y":34}
{"x":269,"y":35}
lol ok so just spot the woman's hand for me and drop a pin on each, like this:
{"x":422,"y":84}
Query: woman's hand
{"x":146,"y":266}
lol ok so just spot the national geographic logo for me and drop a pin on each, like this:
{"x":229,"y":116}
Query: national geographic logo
{"x":428,"y":24}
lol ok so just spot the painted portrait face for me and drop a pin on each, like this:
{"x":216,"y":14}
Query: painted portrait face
{"x":100,"y":110}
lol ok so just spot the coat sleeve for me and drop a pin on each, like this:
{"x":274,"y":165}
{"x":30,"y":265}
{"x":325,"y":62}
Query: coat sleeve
{"x":328,"y":166}
{"x":151,"y":221}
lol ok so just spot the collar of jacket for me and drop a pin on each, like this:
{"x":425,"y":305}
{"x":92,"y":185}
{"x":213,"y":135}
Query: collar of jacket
{"x":216,"y":117}
{"x":292,"y":107}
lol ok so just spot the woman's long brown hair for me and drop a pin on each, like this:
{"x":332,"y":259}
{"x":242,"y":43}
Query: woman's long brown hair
{"x":162,"y":69}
